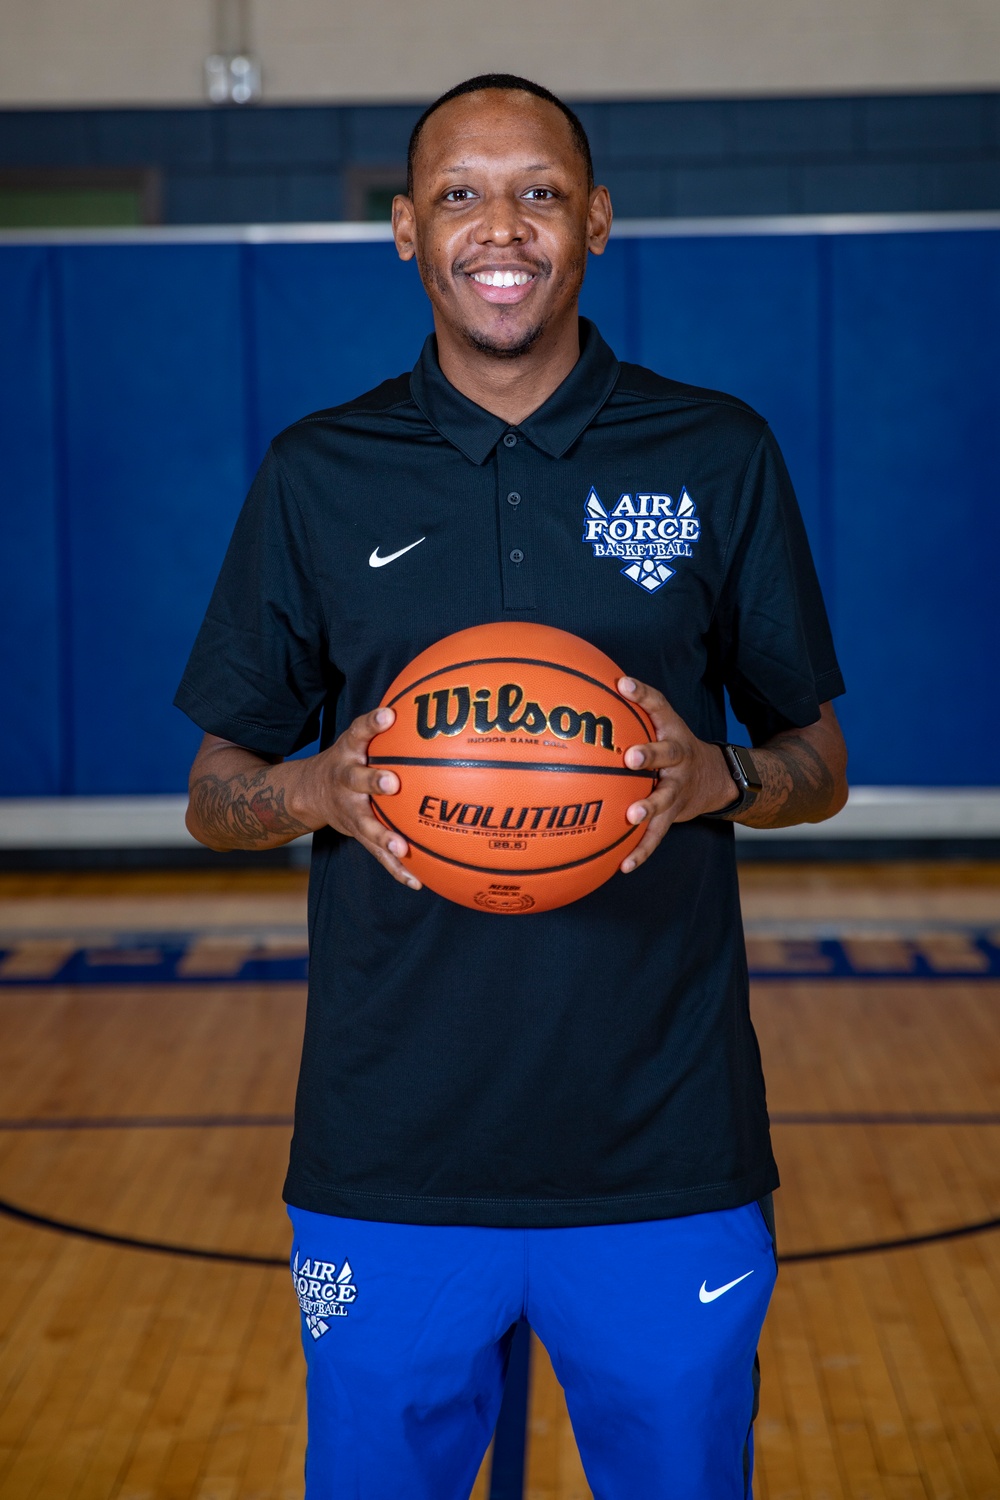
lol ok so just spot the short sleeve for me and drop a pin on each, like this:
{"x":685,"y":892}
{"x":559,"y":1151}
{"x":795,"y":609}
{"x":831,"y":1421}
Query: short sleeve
{"x":258,"y":673}
{"x":776,"y":649}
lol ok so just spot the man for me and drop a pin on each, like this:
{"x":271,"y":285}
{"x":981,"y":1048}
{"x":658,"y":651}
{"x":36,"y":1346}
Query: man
{"x":559,"y":1117}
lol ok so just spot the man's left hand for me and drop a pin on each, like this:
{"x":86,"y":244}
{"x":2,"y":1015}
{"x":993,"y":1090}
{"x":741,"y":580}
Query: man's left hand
{"x":803,"y":774}
{"x":693,"y":776}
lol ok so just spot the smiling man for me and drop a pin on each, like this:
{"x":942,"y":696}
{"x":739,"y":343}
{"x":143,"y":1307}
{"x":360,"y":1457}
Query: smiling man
{"x":558,"y":1117}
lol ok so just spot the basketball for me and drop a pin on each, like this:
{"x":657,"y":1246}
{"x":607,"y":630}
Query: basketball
{"x":509,"y":746}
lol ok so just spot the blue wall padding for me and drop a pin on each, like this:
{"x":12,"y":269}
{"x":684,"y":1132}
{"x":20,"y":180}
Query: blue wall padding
{"x":32,"y":745}
{"x":140,"y":384}
{"x":915,"y":486}
{"x":330,"y":322}
{"x":154,"y":430}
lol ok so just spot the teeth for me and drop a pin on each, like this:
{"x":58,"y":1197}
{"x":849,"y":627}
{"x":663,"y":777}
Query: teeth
{"x":501,"y":278}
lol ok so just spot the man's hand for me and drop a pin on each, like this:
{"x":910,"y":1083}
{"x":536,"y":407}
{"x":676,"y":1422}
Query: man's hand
{"x":803,"y":772}
{"x":240,"y":800}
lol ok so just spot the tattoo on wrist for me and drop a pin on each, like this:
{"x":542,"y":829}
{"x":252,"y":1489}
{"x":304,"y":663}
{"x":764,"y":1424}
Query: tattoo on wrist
{"x":244,"y":810}
{"x":798,"y":786}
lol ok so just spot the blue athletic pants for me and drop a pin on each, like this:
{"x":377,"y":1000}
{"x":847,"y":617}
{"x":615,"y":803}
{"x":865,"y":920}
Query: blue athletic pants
{"x":652,"y":1329}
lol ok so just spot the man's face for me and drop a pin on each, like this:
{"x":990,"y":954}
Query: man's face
{"x":501,"y":219}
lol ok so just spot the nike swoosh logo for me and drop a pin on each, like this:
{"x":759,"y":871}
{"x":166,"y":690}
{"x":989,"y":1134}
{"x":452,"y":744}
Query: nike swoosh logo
{"x":379,"y":562}
{"x":706,"y":1296}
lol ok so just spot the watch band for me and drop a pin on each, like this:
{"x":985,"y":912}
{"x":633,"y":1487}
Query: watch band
{"x":744,"y":773}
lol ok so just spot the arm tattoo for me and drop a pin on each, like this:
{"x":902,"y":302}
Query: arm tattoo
{"x":798,"y":785}
{"x":244,"y":811}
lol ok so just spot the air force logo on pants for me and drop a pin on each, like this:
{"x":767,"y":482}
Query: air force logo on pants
{"x":643,"y":530}
{"x":323,"y":1291}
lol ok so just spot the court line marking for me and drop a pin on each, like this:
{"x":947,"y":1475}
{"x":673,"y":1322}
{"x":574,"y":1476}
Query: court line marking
{"x":224,"y":1122}
{"x":145,"y":1122}
{"x":129,"y":1242}
{"x":235,"y":1257}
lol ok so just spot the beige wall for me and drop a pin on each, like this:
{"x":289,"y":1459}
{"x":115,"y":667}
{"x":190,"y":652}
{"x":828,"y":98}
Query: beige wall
{"x":151,"y":51}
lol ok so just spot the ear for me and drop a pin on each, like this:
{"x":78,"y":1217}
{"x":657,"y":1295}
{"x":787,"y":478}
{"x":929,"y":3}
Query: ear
{"x":404,"y":227}
{"x":599,"y":217}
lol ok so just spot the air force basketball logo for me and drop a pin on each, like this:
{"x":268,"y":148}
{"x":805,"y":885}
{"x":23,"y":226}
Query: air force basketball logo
{"x":643,"y":531}
{"x":323,"y":1291}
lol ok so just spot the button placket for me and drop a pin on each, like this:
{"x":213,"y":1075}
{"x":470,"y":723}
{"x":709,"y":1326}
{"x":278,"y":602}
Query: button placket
{"x":513,"y":456}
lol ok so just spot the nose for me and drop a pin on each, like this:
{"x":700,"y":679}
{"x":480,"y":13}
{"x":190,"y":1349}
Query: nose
{"x":502,"y":222}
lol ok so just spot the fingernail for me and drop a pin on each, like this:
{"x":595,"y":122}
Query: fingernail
{"x":384,"y":717}
{"x":626,"y":685}
{"x":387,"y":783}
{"x":628,"y":867}
{"x":634,"y":758}
{"x":397,"y":848}
{"x":636,"y":814}
{"x":414,"y":885}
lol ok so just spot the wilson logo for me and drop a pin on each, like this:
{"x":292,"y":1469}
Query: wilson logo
{"x":449,"y":711}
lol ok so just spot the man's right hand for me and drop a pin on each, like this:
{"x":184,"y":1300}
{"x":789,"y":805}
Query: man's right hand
{"x":241,"y":800}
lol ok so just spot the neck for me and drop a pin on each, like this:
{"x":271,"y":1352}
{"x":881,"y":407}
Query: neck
{"x":510,"y":388}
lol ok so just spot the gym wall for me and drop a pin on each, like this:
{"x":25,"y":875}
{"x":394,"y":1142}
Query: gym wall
{"x":140,"y":383}
{"x":100,"y":52}
{"x":874,"y":153}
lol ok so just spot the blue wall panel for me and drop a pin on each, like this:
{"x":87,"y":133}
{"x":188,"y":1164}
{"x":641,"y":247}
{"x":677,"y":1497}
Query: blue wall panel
{"x":331,"y":321}
{"x":609,"y":296}
{"x":156,"y":471}
{"x":916,"y":476}
{"x":139,"y":385}
{"x":31,"y":741}
{"x":743,"y":315}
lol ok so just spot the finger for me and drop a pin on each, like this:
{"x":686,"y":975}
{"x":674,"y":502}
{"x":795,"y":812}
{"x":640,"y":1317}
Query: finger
{"x":662,"y":799}
{"x":388,"y":848}
{"x":656,"y":754}
{"x":658,"y":826}
{"x":652,"y":700}
{"x":370,"y":781}
{"x":364,"y":729}
{"x":371,"y":830}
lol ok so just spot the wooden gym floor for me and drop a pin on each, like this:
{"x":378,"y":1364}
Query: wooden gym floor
{"x":150,"y":1027}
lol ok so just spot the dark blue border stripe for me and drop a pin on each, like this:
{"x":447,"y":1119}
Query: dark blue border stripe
{"x":828,"y":958}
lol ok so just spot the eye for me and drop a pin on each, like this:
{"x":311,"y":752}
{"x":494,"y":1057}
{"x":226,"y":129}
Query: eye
{"x":539,"y":194}
{"x":458,"y":195}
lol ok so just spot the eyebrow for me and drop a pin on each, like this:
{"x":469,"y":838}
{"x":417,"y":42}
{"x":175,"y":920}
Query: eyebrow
{"x":536,"y":166}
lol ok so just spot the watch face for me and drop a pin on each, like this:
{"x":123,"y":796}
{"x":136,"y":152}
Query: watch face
{"x":749,"y":777}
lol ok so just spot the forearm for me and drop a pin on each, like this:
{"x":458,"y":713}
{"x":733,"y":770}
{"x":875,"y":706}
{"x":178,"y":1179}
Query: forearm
{"x":240,"y":800}
{"x":804,"y":775}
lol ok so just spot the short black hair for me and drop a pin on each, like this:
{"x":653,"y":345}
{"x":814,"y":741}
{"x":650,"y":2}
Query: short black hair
{"x":501,"y":81}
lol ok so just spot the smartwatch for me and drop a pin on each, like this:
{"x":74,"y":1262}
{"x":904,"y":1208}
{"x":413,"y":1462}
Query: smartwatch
{"x":744,"y":774}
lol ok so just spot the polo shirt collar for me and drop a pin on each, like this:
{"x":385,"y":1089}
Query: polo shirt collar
{"x":553,"y":428}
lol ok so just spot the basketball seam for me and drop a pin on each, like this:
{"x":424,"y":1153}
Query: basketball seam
{"x":554,"y":767}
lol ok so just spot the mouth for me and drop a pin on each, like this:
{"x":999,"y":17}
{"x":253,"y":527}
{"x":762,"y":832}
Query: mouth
{"x":502,"y":284}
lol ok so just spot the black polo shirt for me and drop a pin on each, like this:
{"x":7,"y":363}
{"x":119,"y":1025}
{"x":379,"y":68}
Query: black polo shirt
{"x":594,"y":1064}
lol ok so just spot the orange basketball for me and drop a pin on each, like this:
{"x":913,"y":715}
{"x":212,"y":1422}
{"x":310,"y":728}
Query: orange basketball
{"x":509,"y":746}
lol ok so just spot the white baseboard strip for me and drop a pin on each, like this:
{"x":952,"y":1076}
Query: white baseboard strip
{"x":873,"y":812}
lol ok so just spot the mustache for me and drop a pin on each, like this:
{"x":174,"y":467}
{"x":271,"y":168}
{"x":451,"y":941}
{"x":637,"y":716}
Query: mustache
{"x":536,"y":264}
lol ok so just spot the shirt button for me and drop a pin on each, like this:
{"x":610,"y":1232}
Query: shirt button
{"x":517,"y":555}
{"x":509,"y":440}
{"x":513,"y":498}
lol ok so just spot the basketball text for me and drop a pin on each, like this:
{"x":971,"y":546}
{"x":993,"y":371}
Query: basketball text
{"x":448,"y":711}
{"x":479,"y":815}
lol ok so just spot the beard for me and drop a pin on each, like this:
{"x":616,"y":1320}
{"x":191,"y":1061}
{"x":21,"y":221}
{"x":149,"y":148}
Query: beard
{"x":499,"y":350}
{"x":518,"y":343}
